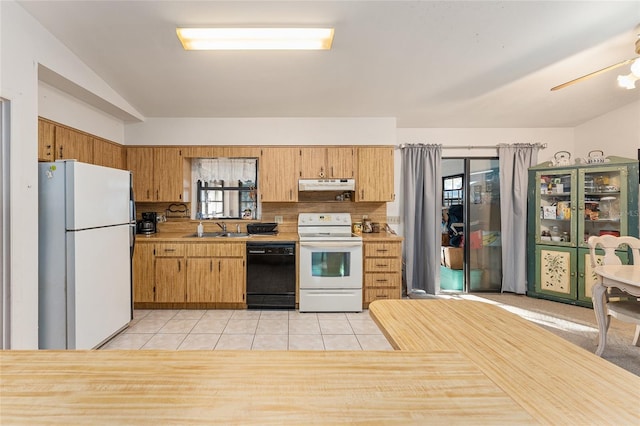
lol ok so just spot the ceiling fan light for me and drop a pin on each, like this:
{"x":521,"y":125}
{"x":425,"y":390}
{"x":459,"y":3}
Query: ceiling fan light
{"x":627,"y":81}
{"x":635,"y":68}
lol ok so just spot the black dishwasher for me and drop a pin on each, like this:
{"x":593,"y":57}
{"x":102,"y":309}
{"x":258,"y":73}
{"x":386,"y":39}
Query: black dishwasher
{"x":271,"y":275}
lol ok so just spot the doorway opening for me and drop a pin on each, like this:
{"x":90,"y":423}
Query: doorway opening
{"x":471,"y":258}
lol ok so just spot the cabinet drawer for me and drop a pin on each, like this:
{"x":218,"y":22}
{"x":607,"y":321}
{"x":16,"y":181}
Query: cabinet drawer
{"x":170,"y":250}
{"x":215,"y":250}
{"x":381,"y":280}
{"x":382,"y":265}
{"x":371,"y":295}
{"x":382,"y":250}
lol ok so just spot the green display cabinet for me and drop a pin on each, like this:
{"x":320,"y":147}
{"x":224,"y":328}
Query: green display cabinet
{"x":567,"y":205}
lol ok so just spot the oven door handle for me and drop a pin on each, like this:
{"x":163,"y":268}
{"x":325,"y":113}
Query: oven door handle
{"x":328,"y":244}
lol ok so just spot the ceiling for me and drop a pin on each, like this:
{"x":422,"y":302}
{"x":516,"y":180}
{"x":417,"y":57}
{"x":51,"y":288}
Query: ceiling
{"x":426,"y":63}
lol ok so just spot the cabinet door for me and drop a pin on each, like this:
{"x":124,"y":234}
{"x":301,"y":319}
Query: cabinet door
{"x":557,"y":210}
{"x":231,"y":279}
{"x":279,"y":169}
{"x":140,"y":163}
{"x":587,"y":278}
{"x":71,"y":144}
{"x":167,"y":174}
{"x":340,"y":162}
{"x":313,"y":162}
{"x":143,"y":273}
{"x":170,"y":280}
{"x":108,"y":154}
{"x":201,"y":280}
{"x":375,"y":174}
{"x":46,"y":140}
{"x":556,"y":271}
{"x":603,"y":202}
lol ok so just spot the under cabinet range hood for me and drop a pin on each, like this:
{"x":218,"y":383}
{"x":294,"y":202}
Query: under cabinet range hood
{"x":326,"y":185}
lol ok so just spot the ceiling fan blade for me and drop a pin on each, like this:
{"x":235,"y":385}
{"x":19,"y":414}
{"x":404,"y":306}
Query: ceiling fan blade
{"x":593,"y":74}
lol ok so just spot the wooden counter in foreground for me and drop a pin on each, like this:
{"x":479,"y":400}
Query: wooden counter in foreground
{"x":245,"y":387}
{"x":459,"y":362}
{"x":554,"y":380}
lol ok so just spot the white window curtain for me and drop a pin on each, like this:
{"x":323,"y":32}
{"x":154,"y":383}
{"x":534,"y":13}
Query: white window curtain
{"x":515,"y":160}
{"x":422,"y":214}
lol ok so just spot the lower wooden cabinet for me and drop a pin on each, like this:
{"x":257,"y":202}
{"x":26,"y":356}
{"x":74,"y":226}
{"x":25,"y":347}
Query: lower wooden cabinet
{"x":143,"y":273}
{"x":216,"y":273}
{"x":206,"y":275}
{"x":382,"y":271}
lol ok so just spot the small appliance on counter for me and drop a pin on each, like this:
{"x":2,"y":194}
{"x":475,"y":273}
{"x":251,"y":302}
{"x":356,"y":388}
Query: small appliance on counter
{"x":147,"y":225}
{"x":264,"y":228}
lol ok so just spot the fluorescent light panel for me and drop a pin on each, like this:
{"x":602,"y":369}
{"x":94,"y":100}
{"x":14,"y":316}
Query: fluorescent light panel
{"x":255,"y":38}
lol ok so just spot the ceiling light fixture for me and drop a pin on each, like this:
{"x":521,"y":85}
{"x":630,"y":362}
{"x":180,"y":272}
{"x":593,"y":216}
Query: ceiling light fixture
{"x":255,"y":38}
{"x":629,"y":81}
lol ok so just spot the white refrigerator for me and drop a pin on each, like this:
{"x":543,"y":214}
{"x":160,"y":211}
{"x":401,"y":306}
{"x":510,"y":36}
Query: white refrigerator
{"x":86,"y":231}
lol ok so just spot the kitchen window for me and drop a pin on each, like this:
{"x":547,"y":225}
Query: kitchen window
{"x":225,"y":188}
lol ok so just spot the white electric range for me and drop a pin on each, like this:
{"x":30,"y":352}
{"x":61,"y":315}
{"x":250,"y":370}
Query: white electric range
{"x":330,"y":263}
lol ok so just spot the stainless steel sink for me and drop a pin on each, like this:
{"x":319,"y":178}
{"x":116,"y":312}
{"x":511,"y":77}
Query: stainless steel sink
{"x":220,"y":234}
{"x":234,"y":234}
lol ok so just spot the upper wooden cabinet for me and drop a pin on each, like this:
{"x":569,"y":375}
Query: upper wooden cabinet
{"x":108,"y":154}
{"x":157,"y":173}
{"x":168,"y":174}
{"x":327,"y":162}
{"x":46,"y":140}
{"x":72,"y":144}
{"x":140,"y":163}
{"x":279,"y":169}
{"x":375,"y":174}
{"x":58,"y":142}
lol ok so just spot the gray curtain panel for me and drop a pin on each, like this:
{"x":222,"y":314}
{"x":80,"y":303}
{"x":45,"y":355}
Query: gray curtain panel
{"x":422,"y":214}
{"x":514,"y":162}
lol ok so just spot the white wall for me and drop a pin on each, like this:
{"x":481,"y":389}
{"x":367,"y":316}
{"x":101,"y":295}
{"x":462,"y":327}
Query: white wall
{"x":615,"y":133}
{"x":63,"y":108}
{"x":262,"y":131}
{"x":25,"y":45}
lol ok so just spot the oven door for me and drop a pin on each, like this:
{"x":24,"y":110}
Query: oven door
{"x":330,"y":264}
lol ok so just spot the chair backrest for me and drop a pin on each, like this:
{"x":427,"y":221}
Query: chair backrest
{"x":609,"y":244}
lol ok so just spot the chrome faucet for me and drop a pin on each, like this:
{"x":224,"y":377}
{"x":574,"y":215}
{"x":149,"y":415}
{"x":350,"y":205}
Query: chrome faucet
{"x":222,"y":225}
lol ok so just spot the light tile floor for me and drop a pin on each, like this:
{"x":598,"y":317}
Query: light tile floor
{"x":249,"y":329}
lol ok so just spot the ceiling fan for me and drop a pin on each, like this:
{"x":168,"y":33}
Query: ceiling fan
{"x":627,"y":81}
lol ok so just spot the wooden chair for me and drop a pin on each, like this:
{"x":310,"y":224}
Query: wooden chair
{"x":619,"y":305}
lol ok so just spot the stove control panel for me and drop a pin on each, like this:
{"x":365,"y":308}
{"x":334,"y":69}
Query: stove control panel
{"x":322,"y":219}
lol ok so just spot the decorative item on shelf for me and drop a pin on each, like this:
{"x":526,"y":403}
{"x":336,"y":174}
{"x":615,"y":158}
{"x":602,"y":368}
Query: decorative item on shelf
{"x":561,"y":159}
{"x":596,"y":157}
{"x":177,"y":210}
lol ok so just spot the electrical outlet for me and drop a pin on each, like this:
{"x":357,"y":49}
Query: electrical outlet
{"x":393,"y":220}
{"x":278,"y":219}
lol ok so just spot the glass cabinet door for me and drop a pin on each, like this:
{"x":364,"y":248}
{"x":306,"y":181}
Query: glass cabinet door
{"x":603,"y":201}
{"x":555,"y":224}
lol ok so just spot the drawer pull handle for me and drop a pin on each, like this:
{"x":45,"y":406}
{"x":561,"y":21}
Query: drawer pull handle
{"x":169,"y":250}
{"x":382,"y":281}
{"x":382,"y":250}
{"x":381,"y":296}
{"x":382,"y":265}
